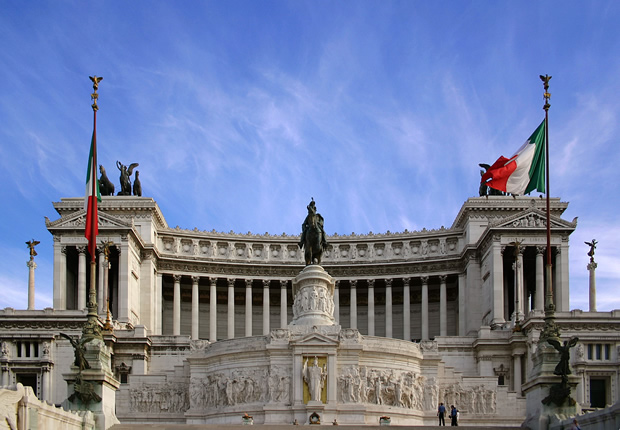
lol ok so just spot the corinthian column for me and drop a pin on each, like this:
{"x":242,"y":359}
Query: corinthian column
{"x":388,"y":308}
{"x":406,"y":309}
{"x":31,"y":266}
{"x":443,"y":309}
{"x":424,"y":307}
{"x":195,"y":308}
{"x":337,"y":301}
{"x":212,"y":309}
{"x":539,"y":297}
{"x":283,"y":304}
{"x":371,"y":307}
{"x":353,"y":305}
{"x":176,"y":306}
{"x":592,"y":269}
{"x":231,"y":308}
{"x":266,"y":306}
{"x":248,"y":307}
{"x":81,"y":302}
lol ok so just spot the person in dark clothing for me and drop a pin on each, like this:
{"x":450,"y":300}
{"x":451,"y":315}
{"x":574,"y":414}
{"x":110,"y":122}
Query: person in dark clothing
{"x":454,"y":415}
{"x":441,"y":413}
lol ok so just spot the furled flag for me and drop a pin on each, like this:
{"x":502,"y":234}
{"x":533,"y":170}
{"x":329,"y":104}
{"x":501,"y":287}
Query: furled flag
{"x":524,"y":171}
{"x":91,"y":198}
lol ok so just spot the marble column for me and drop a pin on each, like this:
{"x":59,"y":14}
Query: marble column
{"x":158,"y":302}
{"x":45,"y":383}
{"x":388,"y":308}
{"x":283,"y":304}
{"x":518,"y":287}
{"x":406,"y":309}
{"x":424,"y":310}
{"x":497,"y":273}
{"x":124,"y":276}
{"x":443,"y":306}
{"x":353,"y":305}
{"x":231,"y":308}
{"x":539,"y":297}
{"x":371,"y":307}
{"x":176,"y":306}
{"x":516,"y":376}
{"x":60,"y":275}
{"x":561,"y":278}
{"x":462,"y":307}
{"x":592,"y":269}
{"x":337,"y":301}
{"x":195,"y":308}
{"x":212,"y":309}
{"x":31,"y":266}
{"x":81,"y":298}
{"x":266,"y":306}
{"x":248,"y":307}
{"x":100,"y":299}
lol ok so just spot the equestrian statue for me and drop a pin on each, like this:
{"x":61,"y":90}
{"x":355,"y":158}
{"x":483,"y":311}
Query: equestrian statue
{"x":313,"y":236}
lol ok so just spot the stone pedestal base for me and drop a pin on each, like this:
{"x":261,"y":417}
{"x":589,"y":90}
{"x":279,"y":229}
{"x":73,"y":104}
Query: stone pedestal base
{"x":541,"y":415}
{"x":313,"y":292}
{"x":100,"y":380}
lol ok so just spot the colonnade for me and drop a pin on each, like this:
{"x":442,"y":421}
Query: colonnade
{"x":250,"y":286}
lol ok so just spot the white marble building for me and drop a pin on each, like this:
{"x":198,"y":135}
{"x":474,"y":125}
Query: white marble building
{"x":202,"y":319}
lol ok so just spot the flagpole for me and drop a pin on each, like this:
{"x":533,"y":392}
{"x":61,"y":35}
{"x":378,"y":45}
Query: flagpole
{"x":92,"y":328}
{"x":550,"y":330}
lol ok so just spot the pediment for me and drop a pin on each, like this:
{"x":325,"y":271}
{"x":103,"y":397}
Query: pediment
{"x":316,"y":339}
{"x":77,"y":220}
{"x":532,"y":219}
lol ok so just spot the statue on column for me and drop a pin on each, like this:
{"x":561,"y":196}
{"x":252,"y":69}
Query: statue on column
{"x":313,"y":236}
{"x":31,"y":244}
{"x":315,"y":377}
{"x":592,"y":246}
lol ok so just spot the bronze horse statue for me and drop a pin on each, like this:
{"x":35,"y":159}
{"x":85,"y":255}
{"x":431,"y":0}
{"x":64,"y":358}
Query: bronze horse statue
{"x":313,"y":236}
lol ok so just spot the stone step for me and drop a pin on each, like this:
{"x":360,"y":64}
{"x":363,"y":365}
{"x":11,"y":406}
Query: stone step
{"x":279,"y":427}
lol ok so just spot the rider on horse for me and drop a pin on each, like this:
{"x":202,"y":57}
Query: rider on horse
{"x":313,"y":235}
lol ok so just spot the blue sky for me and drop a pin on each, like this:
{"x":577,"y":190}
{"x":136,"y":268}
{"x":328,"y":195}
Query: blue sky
{"x":240,"y":111}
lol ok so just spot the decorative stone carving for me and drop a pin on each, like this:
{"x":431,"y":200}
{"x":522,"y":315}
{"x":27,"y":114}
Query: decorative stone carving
{"x":162,"y":398}
{"x":313,"y":291}
{"x":315,"y":376}
{"x":236,"y":387}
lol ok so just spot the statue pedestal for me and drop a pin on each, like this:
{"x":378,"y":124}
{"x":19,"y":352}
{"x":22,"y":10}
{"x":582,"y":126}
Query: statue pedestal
{"x":313,"y":293}
{"x":96,"y":382}
{"x":540,"y":388}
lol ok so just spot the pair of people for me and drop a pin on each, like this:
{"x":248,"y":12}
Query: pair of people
{"x":454,"y":415}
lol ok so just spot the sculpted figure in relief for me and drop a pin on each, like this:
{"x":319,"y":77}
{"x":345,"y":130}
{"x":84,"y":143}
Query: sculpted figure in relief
{"x":315,"y":377}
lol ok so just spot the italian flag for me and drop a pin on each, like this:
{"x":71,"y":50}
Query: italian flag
{"x":91,"y":198}
{"x":524,"y":171}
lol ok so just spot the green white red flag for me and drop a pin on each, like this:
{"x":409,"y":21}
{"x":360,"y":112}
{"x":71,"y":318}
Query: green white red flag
{"x":91,"y":198}
{"x":524,"y":171}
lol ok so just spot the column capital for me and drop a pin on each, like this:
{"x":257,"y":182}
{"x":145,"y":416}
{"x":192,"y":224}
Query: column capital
{"x":177,"y":278}
{"x":353,"y":283}
{"x":266,"y":283}
{"x":388,"y":282}
{"x":406,"y":281}
{"x":195,"y":279}
{"x":212,"y":280}
{"x":443,"y":278}
{"x":81,"y":249}
{"x":231,"y":281}
{"x":424,"y":280}
{"x":336,"y":283}
{"x":33,"y":265}
{"x":540,"y":250}
{"x":283,"y":283}
{"x":248,"y":283}
{"x":371,"y":283}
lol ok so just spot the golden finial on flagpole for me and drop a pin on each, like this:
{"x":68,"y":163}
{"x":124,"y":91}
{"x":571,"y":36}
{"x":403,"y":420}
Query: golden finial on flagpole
{"x":96,"y":79}
{"x":546,"y":94}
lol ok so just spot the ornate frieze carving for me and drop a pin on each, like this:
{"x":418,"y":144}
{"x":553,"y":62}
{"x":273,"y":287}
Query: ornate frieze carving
{"x":169,"y":397}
